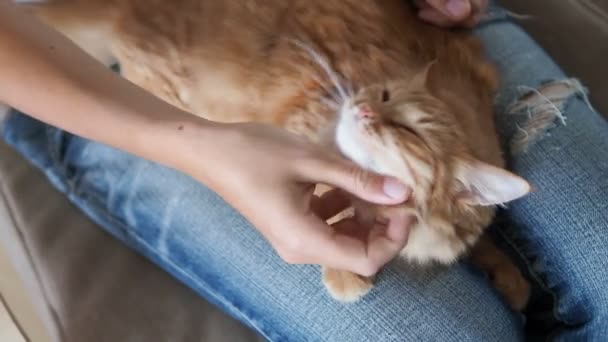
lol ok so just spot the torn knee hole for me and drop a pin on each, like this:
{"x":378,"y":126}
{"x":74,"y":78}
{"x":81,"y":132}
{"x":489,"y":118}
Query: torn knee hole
{"x":544,"y":108}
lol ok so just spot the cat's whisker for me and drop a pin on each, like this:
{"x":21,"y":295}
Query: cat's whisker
{"x":351,"y":90}
{"x":322,"y":62}
{"x":329,"y":102}
{"x":327,"y":89}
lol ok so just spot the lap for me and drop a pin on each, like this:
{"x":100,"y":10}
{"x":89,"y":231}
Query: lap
{"x":192,"y":233}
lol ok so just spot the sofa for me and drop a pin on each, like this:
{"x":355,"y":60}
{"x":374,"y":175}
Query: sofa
{"x":64,"y":279}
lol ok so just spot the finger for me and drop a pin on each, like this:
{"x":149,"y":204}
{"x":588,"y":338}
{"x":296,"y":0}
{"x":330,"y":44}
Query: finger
{"x":478,"y":11}
{"x":312,"y":241}
{"x":434,"y":17}
{"x":358,"y":254}
{"x":457,"y":10}
{"x":352,"y":227}
{"x":385,"y":243}
{"x":330,"y":203}
{"x":349,"y":177}
{"x":346,"y":250}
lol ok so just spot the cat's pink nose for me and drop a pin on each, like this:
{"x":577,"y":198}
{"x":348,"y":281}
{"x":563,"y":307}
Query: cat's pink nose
{"x":365,"y":112}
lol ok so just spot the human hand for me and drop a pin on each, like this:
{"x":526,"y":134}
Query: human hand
{"x":269,"y":175}
{"x":449,"y":13}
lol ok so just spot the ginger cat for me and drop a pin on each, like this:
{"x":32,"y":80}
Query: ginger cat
{"x":366,"y":78}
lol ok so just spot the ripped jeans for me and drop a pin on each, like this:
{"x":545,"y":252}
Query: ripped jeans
{"x":559,"y":233}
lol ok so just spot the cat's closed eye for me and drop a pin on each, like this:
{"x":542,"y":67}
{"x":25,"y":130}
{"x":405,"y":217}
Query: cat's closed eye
{"x":400,"y":126}
{"x":403,"y":127}
{"x":386,"y":96}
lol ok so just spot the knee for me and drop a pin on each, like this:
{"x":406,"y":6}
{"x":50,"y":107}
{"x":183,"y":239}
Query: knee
{"x":485,"y":318}
{"x":584,"y":301}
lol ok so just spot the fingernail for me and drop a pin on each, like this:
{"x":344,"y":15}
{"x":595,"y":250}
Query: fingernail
{"x":395,"y":189}
{"x":457,"y":8}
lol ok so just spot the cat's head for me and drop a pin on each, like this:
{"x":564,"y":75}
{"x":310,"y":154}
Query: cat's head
{"x":400,"y":129}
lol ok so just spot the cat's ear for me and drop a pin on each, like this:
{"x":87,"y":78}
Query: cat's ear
{"x":424,"y":77}
{"x":483,"y":184}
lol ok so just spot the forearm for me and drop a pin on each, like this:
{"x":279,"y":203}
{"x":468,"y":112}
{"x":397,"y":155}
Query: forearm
{"x":45,"y":75}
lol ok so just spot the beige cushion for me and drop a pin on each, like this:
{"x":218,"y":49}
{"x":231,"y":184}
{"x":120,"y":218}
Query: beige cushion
{"x":84,"y":285}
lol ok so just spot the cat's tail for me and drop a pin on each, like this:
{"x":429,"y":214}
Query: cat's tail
{"x":88,"y":23}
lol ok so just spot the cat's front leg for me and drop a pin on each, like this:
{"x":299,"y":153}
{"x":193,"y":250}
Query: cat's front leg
{"x":346,"y":286}
{"x":503,"y":273}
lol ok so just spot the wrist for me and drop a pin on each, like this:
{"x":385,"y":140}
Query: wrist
{"x":184,"y":142}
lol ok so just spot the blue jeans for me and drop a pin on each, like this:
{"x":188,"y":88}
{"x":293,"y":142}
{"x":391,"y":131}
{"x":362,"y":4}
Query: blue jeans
{"x":559,"y":233}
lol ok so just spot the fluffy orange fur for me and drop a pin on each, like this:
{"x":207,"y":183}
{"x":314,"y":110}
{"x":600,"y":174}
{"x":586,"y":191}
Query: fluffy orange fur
{"x":366,"y":78}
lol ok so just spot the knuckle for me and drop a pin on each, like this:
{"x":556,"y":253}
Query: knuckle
{"x":293,"y":244}
{"x":291,"y":259}
{"x":290,"y":250}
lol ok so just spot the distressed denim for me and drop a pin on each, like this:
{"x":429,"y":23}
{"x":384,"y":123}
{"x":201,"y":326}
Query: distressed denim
{"x":559,"y":233}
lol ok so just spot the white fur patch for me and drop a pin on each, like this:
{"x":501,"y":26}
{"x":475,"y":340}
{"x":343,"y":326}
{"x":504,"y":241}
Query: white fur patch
{"x":349,"y":140}
{"x":426,"y":244}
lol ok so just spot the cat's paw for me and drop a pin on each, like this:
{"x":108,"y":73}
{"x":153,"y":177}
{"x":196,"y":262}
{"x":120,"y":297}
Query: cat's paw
{"x":513,"y":286}
{"x":346,"y":286}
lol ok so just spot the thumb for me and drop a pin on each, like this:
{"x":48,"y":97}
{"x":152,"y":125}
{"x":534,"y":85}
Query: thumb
{"x":364,"y":184}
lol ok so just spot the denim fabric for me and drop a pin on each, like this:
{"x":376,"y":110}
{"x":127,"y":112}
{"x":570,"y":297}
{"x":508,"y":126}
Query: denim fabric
{"x":562,"y":227}
{"x":560,"y":232}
